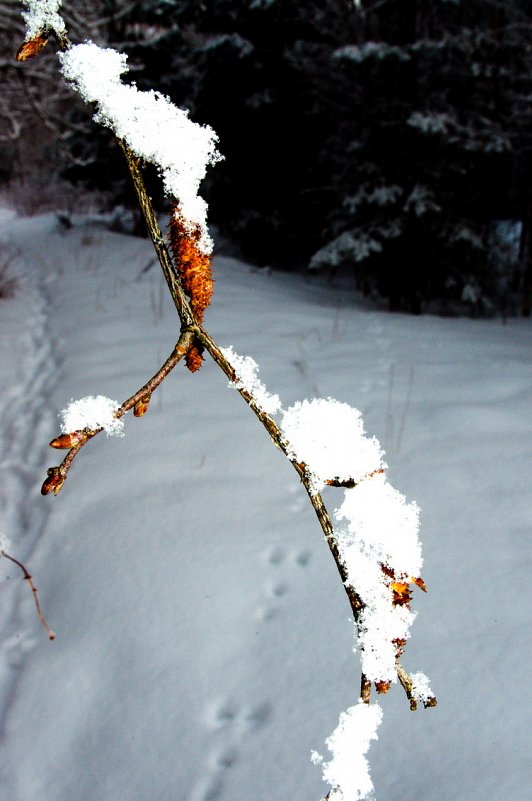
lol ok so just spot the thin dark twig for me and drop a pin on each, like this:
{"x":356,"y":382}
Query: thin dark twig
{"x":27,"y":577}
{"x":57,"y":475}
{"x":408,"y":687}
{"x":188,"y":318}
{"x":192,"y":331}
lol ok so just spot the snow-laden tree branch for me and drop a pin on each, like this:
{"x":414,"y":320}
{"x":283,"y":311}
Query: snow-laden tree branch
{"x":374,"y":538}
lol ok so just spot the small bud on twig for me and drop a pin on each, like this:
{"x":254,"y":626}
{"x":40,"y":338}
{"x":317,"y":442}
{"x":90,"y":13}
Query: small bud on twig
{"x":31,"y":48}
{"x":54,"y":482}
{"x":69,"y":440}
{"x":141,"y":406}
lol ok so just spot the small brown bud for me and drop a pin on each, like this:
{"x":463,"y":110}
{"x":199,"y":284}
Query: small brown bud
{"x":68,"y":440}
{"x":194,"y":359}
{"x":31,"y":48}
{"x":141,"y":406}
{"x":348,"y":483}
{"x":382,"y":687}
{"x":54,"y":482}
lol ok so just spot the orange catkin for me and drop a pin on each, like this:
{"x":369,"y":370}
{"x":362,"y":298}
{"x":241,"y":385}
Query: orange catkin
{"x":194,"y":269}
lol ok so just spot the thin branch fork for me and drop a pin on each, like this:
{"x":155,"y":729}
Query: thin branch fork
{"x":187,"y":316}
{"x":193,"y":331}
{"x":139,"y":400}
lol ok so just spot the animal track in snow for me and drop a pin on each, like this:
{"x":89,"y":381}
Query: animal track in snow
{"x":282,"y":562}
{"x":231,"y":723}
{"x":227,"y":713}
{"x":277,"y":556}
{"x":225,"y":758}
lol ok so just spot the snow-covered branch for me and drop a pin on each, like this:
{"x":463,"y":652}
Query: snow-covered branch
{"x":374,"y":537}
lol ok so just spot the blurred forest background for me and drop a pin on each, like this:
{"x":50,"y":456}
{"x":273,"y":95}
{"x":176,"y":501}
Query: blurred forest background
{"x":387,"y":141}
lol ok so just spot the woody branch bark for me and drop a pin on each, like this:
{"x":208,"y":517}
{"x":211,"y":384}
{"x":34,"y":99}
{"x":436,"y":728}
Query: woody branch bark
{"x":188,"y":318}
{"x":138,"y":401}
{"x":193,"y":334}
{"x":208,"y":343}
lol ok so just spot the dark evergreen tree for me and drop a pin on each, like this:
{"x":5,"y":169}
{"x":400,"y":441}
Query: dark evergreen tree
{"x":384,"y":136}
{"x":257,"y":72}
{"x":434,"y":138}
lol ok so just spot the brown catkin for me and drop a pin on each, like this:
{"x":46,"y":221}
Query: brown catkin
{"x":194,"y":269}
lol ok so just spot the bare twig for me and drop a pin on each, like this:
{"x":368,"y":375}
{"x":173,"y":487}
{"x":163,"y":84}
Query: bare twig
{"x":57,"y":475}
{"x":27,"y":577}
{"x":408,"y":686}
{"x":193,"y":333}
{"x":188,"y":318}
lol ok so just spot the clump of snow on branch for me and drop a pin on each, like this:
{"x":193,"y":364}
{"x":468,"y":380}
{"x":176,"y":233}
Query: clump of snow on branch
{"x":152,"y":127}
{"x":42,"y":15}
{"x":93,"y":411}
{"x":431,"y":122}
{"x":328,"y":436}
{"x":379,"y":623}
{"x":379,"y":528}
{"x":381,"y":195}
{"x":421,"y":201}
{"x":375,"y":50}
{"x":246,"y":369}
{"x":347,"y":772}
{"x":421,"y":687}
{"x":382,"y":524}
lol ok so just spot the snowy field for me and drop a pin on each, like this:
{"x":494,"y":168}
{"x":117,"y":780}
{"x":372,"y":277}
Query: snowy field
{"x":203,"y":643}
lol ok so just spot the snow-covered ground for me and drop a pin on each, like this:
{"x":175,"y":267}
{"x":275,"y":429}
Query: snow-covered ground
{"x":203,"y":643}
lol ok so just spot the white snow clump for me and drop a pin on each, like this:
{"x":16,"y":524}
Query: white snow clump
{"x":152,"y":127}
{"x":246,"y":369}
{"x":92,"y":412}
{"x":42,"y":15}
{"x":328,"y":436}
{"x":421,"y":687}
{"x":375,"y":50}
{"x":380,"y":528}
{"x":347,"y":772}
{"x":381,"y":524}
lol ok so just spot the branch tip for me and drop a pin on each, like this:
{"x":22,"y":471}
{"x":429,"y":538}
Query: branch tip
{"x":32,"y":47}
{"x":27,"y":577}
{"x":54,"y":482}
